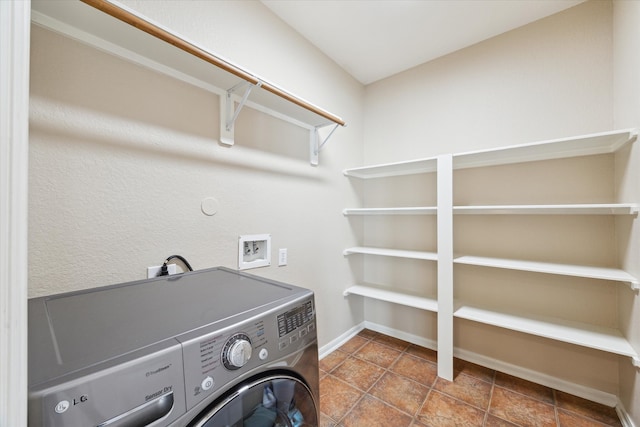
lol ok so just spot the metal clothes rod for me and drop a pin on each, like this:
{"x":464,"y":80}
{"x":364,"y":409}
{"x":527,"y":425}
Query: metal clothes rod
{"x":149,"y":28}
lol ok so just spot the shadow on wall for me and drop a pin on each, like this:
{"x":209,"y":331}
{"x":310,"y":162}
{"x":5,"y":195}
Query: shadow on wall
{"x":115,"y":94}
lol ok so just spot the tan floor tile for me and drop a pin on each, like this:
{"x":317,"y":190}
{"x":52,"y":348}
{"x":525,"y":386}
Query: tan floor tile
{"x":423,"y":353}
{"x":463,"y":367}
{"x":358,"y":373}
{"x":400,"y":392}
{"x":353,"y":344}
{"x":325,"y":421}
{"x":398,"y":381}
{"x":368,"y":334}
{"x":589,"y":409}
{"x":417,"y":369}
{"x":392,"y":342}
{"x":571,"y":419}
{"x":377,"y":353}
{"x":528,"y":388}
{"x":468,"y":389}
{"x":493,"y":421}
{"x":330,"y":361}
{"x":371,"y":412}
{"x":441,"y":410}
{"x":520,"y":409}
{"x":336,"y":397}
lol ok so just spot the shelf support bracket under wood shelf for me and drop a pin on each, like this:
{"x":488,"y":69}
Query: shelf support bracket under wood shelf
{"x":228,"y":114}
{"x":314,"y":143}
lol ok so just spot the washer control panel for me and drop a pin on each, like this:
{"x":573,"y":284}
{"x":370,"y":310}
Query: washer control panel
{"x":213,"y":360}
{"x":295,"y":324}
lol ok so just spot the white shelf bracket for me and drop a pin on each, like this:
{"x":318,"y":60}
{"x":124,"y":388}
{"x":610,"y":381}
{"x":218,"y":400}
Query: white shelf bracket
{"x":634,"y":285}
{"x":315,"y":144}
{"x":635,"y":361}
{"x":228,"y":114}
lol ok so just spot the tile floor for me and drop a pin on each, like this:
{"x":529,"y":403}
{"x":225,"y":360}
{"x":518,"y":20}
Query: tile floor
{"x":376,"y":380}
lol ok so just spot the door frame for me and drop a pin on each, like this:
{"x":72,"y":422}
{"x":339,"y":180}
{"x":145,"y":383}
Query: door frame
{"x":15,"y":21}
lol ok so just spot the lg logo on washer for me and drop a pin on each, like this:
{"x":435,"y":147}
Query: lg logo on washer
{"x":63,"y":405}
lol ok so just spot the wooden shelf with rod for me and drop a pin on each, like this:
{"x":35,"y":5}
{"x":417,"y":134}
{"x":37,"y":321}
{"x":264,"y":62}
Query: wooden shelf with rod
{"x":112,"y":27}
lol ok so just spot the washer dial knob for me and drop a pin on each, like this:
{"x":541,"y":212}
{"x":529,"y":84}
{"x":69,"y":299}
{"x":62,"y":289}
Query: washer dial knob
{"x":237,"y":351}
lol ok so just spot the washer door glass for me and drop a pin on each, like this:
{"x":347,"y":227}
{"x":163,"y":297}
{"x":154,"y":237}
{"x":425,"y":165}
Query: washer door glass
{"x":274,"y":401}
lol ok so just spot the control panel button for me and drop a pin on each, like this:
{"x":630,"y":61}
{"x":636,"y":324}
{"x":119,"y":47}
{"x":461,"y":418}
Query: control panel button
{"x":264,"y":353}
{"x":237,"y":351}
{"x":207,"y":383}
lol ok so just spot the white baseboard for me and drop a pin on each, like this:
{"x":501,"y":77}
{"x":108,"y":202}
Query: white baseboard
{"x":625,"y":419}
{"x":588,"y":393}
{"x":413,"y":339}
{"x":339,"y":341}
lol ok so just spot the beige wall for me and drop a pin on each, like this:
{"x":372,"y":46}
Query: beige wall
{"x":546,"y":80}
{"x":121,"y":158}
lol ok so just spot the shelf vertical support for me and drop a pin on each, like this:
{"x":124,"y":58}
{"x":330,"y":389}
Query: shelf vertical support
{"x":228,"y":114}
{"x":445,"y":266}
{"x":314,"y":142}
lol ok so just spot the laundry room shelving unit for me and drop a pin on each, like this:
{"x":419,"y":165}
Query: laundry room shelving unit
{"x":604,"y":338}
{"x":112,"y":27}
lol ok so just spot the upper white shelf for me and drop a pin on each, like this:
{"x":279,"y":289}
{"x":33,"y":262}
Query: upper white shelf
{"x":402,"y":298}
{"x":572,"y":209}
{"x":394,"y":169}
{"x":603,"y":273}
{"x":429,"y":256}
{"x":417,"y":210}
{"x":112,"y":27}
{"x":585,"y":145}
{"x":597,"y":143}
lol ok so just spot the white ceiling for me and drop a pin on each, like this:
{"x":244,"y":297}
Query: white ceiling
{"x":374,"y":39}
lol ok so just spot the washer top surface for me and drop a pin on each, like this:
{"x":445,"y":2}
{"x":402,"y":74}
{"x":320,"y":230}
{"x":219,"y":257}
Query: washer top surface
{"x":75,"y":330}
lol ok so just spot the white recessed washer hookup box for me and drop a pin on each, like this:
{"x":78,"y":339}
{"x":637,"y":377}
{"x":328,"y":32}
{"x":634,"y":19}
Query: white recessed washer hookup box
{"x":254,"y":250}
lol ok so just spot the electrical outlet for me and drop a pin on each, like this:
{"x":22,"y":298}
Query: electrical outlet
{"x":282,"y":257}
{"x":154,"y":271}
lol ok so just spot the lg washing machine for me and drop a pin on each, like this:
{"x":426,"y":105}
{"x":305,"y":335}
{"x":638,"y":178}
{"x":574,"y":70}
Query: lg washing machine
{"x":210,"y":348}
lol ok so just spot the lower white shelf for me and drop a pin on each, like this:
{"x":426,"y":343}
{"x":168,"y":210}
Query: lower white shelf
{"x":586,"y":335}
{"x":402,"y":298}
{"x":603,"y":273}
{"x":429,"y":256}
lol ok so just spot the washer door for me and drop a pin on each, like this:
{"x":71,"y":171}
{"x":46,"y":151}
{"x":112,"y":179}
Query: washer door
{"x":269,"y":401}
